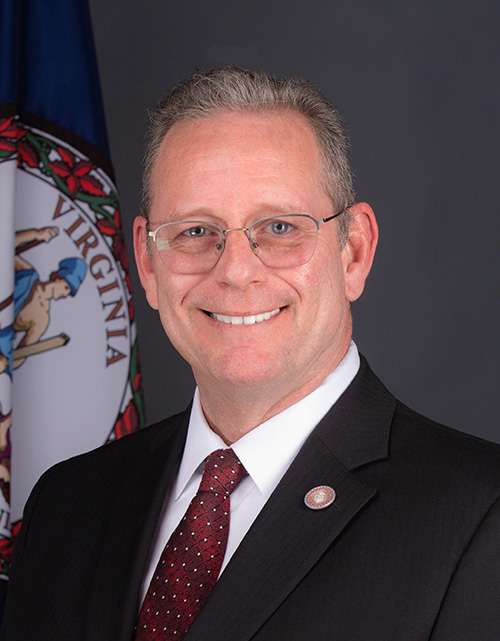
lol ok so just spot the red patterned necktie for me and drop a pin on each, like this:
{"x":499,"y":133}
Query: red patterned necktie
{"x":190,"y":563}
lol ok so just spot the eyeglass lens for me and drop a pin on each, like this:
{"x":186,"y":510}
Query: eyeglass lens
{"x":195,"y":246}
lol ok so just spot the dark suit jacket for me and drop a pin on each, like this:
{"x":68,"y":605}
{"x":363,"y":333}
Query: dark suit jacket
{"x":409,"y":550}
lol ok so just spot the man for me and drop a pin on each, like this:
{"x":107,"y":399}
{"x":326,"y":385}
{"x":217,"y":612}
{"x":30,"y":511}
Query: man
{"x":357,"y":518}
{"x":32,"y":297}
{"x":31,"y":302}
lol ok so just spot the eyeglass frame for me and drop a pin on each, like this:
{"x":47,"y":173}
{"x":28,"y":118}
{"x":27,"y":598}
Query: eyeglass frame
{"x":253,"y":245}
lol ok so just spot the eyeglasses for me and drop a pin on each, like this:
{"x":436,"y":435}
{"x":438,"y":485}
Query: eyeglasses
{"x":195,"y":246}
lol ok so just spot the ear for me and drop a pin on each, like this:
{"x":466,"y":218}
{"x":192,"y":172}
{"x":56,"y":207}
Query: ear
{"x":145,"y":263}
{"x":359,"y":250}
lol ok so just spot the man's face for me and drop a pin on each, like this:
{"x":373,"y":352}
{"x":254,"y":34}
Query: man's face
{"x":232,"y":169}
{"x":61,"y":289}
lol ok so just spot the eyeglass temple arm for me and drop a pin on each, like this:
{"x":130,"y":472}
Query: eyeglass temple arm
{"x":325,"y":220}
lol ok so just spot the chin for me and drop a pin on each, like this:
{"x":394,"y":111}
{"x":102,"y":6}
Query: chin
{"x":247,"y":368}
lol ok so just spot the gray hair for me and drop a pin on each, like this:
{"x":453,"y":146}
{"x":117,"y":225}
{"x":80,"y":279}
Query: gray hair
{"x":231,"y":89}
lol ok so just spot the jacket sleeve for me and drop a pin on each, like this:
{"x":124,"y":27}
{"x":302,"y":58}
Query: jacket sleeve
{"x":471,"y":608}
{"x":15,"y":590}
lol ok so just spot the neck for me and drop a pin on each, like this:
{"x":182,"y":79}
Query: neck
{"x":45,"y":291}
{"x":234,"y":410}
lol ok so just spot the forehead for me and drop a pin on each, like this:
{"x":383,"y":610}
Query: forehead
{"x":62,"y":282}
{"x":286,"y":129}
{"x":237,"y":151}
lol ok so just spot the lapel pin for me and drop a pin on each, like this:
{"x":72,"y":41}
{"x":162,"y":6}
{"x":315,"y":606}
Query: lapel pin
{"x":320,"y":497}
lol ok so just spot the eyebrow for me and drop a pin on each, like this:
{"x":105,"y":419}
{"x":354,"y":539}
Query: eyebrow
{"x":207,"y":215}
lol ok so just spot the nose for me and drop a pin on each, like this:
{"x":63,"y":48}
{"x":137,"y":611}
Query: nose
{"x":238,"y":265}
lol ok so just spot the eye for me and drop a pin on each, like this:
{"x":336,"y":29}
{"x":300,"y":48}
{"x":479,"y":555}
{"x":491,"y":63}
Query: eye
{"x":278,"y":227}
{"x":197,"y":232}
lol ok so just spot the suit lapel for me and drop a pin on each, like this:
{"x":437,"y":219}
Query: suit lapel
{"x":130,"y":528}
{"x":288,"y":538}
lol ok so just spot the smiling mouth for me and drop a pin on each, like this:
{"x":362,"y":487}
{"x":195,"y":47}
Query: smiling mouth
{"x":244,"y":320}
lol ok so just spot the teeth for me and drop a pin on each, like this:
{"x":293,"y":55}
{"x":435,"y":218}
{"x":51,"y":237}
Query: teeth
{"x":245,"y":320}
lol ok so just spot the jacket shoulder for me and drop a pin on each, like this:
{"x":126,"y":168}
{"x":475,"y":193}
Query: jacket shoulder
{"x":115,"y":463}
{"x":438,"y":447}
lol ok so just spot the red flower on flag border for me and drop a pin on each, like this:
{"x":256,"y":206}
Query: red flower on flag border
{"x":9,"y":128}
{"x":13,"y":139}
{"x":27,"y":154}
{"x":76,"y":174}
{"x":9,"y":133}
{"x":7,"y":546}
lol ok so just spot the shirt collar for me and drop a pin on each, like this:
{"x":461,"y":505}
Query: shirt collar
{"x":268,"y":450}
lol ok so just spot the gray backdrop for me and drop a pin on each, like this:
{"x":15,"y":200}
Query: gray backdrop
{"x":418,"y":83}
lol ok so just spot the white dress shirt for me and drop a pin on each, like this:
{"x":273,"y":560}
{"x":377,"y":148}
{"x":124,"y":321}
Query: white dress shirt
{"x":266,"y":453}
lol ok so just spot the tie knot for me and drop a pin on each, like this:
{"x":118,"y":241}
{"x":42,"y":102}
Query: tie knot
{"x":223,"y":471}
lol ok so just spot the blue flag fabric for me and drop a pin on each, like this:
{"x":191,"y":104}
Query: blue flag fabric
{"x":49,"y":66}
{"x":69,"y":365}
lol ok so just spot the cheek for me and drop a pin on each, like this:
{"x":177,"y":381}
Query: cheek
{"x":172,"y":293}
{"x":166,"y":296}
{"x":323,"y":282}
{"x":327,"y":303}
{"x":170,"y":314}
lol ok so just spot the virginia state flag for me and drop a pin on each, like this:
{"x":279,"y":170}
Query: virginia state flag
{"x":69,"y":374}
